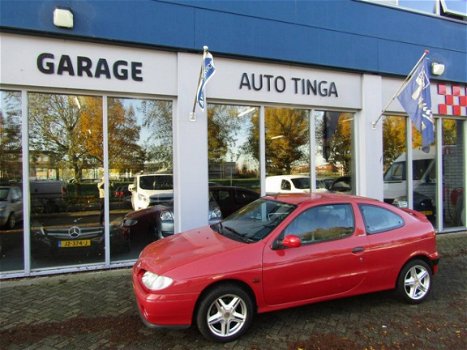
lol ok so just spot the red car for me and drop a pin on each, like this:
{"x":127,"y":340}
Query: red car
{"x":280,"y":252}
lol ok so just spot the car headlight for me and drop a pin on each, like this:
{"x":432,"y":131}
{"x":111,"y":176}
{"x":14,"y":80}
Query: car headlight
{"x":167,"y":216}
{"x":153,"y":281}
{"x":129,"y":222}
{"x":215,"y":214}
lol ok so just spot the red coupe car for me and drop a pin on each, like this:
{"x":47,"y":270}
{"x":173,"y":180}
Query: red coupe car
{"x":280,"y":252}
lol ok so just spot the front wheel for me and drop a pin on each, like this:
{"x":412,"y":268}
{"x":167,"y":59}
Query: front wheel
{"x":414,"y":283}
{"x":225,"y":313}
{"x":11,"y":223}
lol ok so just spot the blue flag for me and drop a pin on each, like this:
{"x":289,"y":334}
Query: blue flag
{"x":416,"y":100}
{"x":207,"y":71}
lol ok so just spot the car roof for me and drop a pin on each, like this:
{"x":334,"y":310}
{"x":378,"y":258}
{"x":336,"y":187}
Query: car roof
{"x":315,"y":197}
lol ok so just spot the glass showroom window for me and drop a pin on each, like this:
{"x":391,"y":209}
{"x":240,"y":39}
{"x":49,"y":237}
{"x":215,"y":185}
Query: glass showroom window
{"x":423,"y":170}
{"x":334,"y":144}
{"x":11,"y":198}
{"x":287,"y":141}
{"x":233,"y":145}
{"x":140,"y":171}
{"x":65,"y":168}
{"x":394,"y":158}
{"x":453,"y":164}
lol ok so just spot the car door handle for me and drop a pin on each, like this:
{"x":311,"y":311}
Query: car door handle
{"x":358,"y":250}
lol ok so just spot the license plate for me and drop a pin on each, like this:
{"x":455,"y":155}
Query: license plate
{"x":426,"y":212}
{"x":75,"y":244}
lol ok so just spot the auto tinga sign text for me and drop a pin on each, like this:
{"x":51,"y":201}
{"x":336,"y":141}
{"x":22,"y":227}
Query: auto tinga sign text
{"x":268,"y":82}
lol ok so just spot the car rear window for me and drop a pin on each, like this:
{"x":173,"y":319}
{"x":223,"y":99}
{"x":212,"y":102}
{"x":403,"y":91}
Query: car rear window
{"x":379,"y":219}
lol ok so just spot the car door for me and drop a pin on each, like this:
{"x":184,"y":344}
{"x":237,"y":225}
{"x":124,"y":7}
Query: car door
{"x":329,"y":262}
{"x":17,"y":202}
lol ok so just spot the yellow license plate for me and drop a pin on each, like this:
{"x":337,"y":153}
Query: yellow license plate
{"x":426,"y":212}
{"x":75,"y":244}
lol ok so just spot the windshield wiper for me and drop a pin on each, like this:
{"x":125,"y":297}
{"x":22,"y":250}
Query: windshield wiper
{"x":239,"y":235}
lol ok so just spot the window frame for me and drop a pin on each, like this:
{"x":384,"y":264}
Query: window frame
{"x":373,"y":232}
{"x":341,"y":236}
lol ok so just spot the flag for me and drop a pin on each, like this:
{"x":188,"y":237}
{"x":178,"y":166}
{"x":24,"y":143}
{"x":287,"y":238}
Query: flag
{"x":207,"y":71}
{"x":415,"y":98}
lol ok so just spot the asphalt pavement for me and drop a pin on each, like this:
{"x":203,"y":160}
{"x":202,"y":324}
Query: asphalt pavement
{"x":96,"y":310}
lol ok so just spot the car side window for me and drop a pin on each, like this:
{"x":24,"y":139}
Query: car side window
{"x":323,"y":223}
{"x":379,"y":219}
{"x":223,"y":195}
{"x":285,"y":185}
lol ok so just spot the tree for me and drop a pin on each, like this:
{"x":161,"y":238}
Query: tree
{"x":157,"y":120}
{"x":124,"y":152}
{"x":69,"y":129}
{"x":223,"y":126}
{"x":287,"y":132}
{"x":10,"y":136}
{"x":56,"y":129}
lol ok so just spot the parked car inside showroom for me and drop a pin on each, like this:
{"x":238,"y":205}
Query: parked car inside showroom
{"x":11,"y":206}
{"x":280,"y":252}
{"x":77,"y":237}
{"x":156,"y":221}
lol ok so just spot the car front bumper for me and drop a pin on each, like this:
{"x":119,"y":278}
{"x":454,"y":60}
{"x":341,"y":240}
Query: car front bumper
{"x":163,"y":310}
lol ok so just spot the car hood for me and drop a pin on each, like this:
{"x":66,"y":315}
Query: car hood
{"x":188,"y":249}
{"x":147,"y":211}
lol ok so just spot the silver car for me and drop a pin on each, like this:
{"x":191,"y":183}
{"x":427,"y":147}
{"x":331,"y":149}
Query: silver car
{"x":11,"y":206}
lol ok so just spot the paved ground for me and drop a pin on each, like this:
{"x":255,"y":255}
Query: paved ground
{"x":96,"y":310}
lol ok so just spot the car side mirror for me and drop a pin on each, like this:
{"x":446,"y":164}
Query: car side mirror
{"x":289,"y":241}
{"x":131,"y":188}
{"x":292,"y":241}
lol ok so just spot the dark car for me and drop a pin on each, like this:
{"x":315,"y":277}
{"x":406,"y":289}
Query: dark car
{"x":421,"y":203}
{"x":342,"y":184}
{"x":79,"y":237}
{"x":156,"y":221}
{"x":232,"y":198}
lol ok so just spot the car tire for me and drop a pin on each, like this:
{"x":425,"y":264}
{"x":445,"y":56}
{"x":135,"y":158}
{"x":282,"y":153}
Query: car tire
{"x":414,"y":282}
{"x":225,"y":313}
{"x":11,"y":222}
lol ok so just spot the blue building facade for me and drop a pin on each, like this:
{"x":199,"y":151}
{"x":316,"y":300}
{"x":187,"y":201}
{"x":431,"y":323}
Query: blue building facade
{"x":103,"y":92}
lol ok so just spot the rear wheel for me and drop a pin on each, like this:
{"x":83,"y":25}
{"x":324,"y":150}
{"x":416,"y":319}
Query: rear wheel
{"x":225,"y":313}
{"x":414,"y":283}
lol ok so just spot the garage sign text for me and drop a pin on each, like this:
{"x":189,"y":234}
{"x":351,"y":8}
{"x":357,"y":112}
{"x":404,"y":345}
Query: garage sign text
{"x":82,"y":66}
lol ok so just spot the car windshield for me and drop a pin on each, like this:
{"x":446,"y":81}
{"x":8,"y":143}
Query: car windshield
{"x":254,"y":221}
{"x":4,"y":194}
{"x":397,"y":171}
{"x":156,"y":182}
{"x":302,"y":183}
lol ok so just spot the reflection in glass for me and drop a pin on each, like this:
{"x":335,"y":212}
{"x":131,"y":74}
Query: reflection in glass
{"x":334,"y":151}
{"x":423,"y":177}
{"x":394,"y":159}
{"x":140,"y":171}
{"x":233,"y":145}
{"x":11,"y":197}
{"x":287,"y":141}
{"x":65,"y":168}
{"x":453,"y":163}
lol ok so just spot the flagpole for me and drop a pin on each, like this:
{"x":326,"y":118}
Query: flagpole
{"x":193,"y":114}
{"x":404,"y":83}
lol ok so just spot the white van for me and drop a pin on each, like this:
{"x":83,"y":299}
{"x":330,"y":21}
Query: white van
{"x":151,"y":189}
{"x":287,"y":184}
{"x":395,"y":178}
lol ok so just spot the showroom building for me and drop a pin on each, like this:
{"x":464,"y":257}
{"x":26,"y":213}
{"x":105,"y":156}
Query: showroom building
{"x":99,"y":116}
